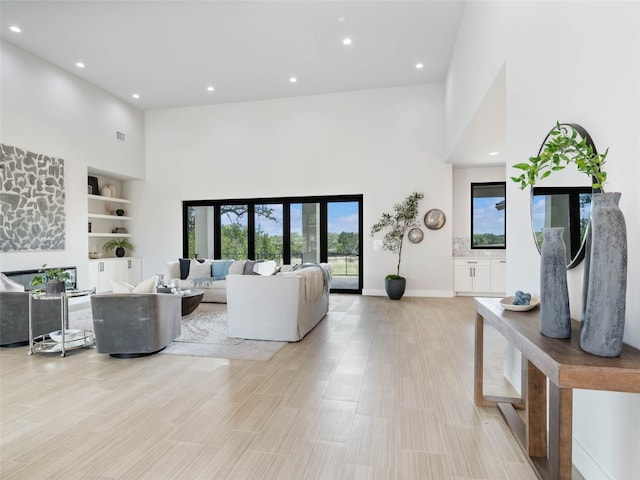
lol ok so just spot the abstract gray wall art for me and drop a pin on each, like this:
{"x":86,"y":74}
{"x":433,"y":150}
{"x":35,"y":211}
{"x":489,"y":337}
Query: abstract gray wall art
{"x":31,"y":201}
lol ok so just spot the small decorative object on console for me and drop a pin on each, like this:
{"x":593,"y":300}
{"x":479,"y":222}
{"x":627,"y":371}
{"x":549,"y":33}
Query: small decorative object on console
{"x":507,"y":304}
{"x":522,"y":298}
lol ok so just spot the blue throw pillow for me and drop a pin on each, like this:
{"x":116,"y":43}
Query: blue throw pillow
{"x":220,"y":269}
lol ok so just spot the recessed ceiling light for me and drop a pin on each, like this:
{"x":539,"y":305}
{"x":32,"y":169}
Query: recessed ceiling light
{"x":210,"y":89}
{"x":135,"y":95}
{"x":494,"y":153}
{"x":419,"y":66}
{"x":79,"y":64}
{"x":15,"y":29}
{"x":342,"y":19}
{"x":346,"y":41}
{"x":293,"y":79}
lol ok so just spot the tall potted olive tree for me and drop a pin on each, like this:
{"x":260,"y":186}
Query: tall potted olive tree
{"x":398,"y":223}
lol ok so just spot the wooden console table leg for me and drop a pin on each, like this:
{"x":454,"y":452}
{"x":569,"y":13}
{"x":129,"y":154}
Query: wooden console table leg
{"x":536,"y":411}
{"x":478,"y":365}
{"x":560,"y":432}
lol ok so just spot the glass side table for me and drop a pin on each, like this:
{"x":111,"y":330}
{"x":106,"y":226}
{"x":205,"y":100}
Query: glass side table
{"x":44,"y":343}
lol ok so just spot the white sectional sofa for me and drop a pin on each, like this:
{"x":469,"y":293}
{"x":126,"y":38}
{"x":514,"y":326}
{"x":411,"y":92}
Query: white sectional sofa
{"x":210,"y":275}
{"x":282,"y":307}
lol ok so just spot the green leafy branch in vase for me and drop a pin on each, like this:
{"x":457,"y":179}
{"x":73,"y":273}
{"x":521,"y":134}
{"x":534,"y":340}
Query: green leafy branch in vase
{"x":563,"y":146}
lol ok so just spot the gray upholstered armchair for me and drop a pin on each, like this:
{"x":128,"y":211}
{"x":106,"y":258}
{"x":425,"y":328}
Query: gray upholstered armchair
{"x":134,"y":325}
{"x":14,"y":318}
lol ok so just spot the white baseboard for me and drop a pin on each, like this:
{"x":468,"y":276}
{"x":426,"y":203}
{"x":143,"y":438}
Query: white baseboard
{"x":410,"y":293}
{"x":480,"y":294}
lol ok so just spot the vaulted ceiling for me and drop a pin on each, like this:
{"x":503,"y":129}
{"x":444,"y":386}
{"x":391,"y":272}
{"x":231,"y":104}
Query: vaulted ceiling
{"x":170,"y":52}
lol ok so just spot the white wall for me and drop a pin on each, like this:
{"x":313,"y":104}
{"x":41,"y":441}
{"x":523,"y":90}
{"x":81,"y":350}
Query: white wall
{"x":578,"y":62}
{"x":49,"y":111}
{"x":382,"y":143}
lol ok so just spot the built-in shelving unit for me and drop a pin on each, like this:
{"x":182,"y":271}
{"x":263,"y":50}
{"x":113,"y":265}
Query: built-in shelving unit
{"x":103,"y":221}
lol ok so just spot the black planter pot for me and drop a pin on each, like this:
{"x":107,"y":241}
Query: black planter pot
{"x":395,"y":287}
{"x":119,"y":252}
{"x":54,"y":287}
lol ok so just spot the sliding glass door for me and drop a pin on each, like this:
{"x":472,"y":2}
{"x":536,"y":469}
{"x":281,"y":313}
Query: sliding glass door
{"x":343,"y":243}
{"x":288,"y":230}
{"x":268,"y":232}
{"x":305,"y":232}
{"x":233,"y":232}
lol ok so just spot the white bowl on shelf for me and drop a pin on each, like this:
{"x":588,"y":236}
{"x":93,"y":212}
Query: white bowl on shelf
{"x":507,"y":304}
{"x":70,"y":335}
{"x":95,"y":255}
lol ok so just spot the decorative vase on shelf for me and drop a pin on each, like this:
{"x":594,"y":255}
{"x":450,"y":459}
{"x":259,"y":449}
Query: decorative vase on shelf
{"x":602,"y":328}
{"x":555,"y":318}
{"x":105,"y":191}
{"x":120,"y":252}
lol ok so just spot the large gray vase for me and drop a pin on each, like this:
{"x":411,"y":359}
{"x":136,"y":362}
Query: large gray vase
{"x":555,"y":318}
{"x":602,"y":328}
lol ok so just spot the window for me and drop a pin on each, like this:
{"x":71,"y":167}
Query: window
{"x":268,"y":231}
{"x":233,"y":231}
{"x":288,"y":230}
{"x":488,"y":215}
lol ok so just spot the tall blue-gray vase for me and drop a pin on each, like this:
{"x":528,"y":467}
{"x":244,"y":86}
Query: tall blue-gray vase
{"x":555,"y":318}
{"x":602,"y":328}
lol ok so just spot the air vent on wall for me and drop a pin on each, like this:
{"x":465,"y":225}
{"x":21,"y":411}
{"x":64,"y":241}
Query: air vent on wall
{"x":120,"y":136}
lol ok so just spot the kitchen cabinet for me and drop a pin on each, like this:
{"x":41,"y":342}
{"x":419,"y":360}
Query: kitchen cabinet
{"x":479,"y":276}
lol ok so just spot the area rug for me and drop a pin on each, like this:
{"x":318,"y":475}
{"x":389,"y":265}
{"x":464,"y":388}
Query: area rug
{"x":203,"y":334}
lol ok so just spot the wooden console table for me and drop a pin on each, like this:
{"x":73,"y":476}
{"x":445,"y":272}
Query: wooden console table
{"x":566,"y":366}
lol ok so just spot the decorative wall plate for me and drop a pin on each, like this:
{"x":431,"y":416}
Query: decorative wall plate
{"x":415,"y":235}
{"x":434,"y":219}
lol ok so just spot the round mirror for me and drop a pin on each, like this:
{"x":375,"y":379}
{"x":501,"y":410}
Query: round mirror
{"x":564,"y":200}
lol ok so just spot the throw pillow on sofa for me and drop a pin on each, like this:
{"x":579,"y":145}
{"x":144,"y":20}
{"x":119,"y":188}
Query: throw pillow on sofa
{"x":146,"y":286}
{"x":248,"y":267}
{"x":199,"y":270}
{"x":267,"y":267}
{"x":120,"y":287}
{"x":185,"y":264}
{"x":184,"y":267}
{"x":220,"y":269}
{"x":236,"y":268}
{"x":8,"y":285}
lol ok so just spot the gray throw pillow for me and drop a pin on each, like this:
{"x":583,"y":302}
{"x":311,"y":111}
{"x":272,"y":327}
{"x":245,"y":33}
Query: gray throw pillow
{"x":248,"y":267}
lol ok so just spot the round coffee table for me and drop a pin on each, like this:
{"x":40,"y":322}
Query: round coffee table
{"x":191,"y":300}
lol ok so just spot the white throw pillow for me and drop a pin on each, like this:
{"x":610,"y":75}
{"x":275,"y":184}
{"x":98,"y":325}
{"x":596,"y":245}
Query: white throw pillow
{"x":199,"y":270}
{"x":120,"y":287}
{"x":236,"y":268}
{"x":8,"y":285}
{"x":146,"y":286}
{"x":265,"y":268}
